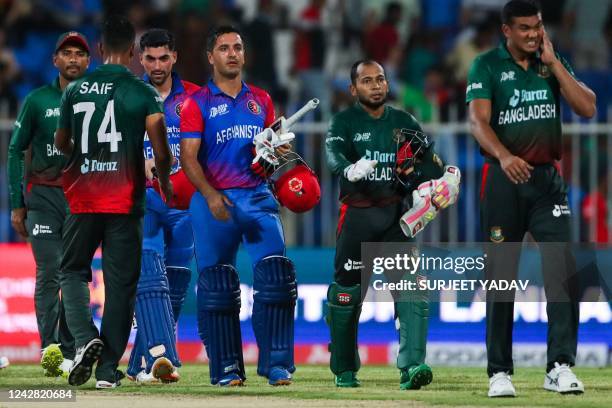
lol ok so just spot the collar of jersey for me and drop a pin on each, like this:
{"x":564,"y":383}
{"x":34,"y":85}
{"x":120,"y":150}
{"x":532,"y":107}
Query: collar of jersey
{"x":177,"y":85}
{"x":503,"y":53}
{"x":113,"y":67}
{"x":216,"y":91}
{"x":56,"y":83}
{"x":367,"y":115}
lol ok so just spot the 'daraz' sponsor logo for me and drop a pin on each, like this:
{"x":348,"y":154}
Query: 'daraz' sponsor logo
{"x":351,"y":265}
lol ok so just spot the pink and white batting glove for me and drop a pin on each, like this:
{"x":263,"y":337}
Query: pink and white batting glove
{"x":421,"y":213}
{"x":445,"y":190}
{"x":430,"y":197}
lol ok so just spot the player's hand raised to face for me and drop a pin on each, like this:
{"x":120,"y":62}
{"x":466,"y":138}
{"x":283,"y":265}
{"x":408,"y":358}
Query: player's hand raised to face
{"x":517,"y":169}
{"x":217,"y":203}
{"x":547,"y":55}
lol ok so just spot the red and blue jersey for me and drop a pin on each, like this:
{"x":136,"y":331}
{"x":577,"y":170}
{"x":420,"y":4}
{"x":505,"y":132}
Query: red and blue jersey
{"x":173,"y":105}
{"x":226,"y":127}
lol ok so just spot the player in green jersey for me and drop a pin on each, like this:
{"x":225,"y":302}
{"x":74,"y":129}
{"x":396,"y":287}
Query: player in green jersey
{"x":41,"y":214}
{"x":381,"y":155}
{"x":514,"y":94}
{"x":103,"y":117}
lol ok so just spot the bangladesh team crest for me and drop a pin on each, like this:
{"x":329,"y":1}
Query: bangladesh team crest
{"x":543,"y":70}
{"x":253,"y":107}
{"x":496,"y":235}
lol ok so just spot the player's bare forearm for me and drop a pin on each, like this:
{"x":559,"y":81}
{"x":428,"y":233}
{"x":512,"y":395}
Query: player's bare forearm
{"x":63,"y":141}
{"x":156,"y":129}
{"x":192,"y":168}
{"x":479,"y":118}
{"x":515,"y":168}
{"x":579,"y":96}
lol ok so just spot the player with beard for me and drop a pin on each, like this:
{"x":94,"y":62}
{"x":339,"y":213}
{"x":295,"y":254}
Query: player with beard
{"x":380,"y":155}
{"x":232,"y":205}
{"x":42,"y":214}
{"x":167,"y":234}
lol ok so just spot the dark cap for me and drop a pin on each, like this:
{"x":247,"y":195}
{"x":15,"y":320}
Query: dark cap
{"x":72,"y":37}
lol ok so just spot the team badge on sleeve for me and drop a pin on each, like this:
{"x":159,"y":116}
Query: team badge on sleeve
{"x":253,"y":107}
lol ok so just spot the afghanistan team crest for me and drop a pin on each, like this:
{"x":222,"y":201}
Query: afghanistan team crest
{"x":178,"y":108}
{"x":295,"y":185}
{"x":253,"y":107}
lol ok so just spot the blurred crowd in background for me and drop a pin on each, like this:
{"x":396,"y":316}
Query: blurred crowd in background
{"x":302,"y":48}
{"x":299,"y":49}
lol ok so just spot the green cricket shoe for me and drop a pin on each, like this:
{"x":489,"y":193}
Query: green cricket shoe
{"x":415,"y":377}
{"x":347,"y":379}
{"x":51,"y":360}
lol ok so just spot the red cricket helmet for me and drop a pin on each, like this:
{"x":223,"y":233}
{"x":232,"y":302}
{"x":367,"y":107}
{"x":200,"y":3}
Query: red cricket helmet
{"x":296,"y":185}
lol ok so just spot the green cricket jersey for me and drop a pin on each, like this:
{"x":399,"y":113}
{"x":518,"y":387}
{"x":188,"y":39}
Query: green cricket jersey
{"x":525,"y":104}
{"x":354,"y":134}
{"x":105,"y":113}
{"x":35,"y":128}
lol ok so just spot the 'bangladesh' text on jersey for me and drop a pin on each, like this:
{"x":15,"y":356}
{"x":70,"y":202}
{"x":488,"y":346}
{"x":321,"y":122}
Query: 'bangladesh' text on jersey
{"x":34,"y":131}
{"x":173,"y":105}
{"x":525,"y":104}
{"x":105,"y":113}
{"x":354,"y":134}
{"x":226,"y":127}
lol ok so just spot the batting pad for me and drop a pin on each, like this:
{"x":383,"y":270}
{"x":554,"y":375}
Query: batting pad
{"x":343,"y":310}
{"x":178,"y":281}
{"x":154,"y":311}
{"x":275,"y":294}
{"x":219,"y":321}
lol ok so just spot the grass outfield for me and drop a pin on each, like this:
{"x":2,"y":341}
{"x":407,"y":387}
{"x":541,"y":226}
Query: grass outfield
{"x":451,"y":387}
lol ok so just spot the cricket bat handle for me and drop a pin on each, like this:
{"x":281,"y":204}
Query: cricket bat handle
{"x":291,"y":120}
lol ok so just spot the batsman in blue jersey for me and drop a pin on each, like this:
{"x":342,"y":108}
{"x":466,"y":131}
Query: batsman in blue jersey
{"x":168,"y":240}
{"x":234,"y":205}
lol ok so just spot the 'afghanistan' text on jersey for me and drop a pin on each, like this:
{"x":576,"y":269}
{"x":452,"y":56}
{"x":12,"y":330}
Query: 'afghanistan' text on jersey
{"x":173,"y":105}
{"x":226,"y":127}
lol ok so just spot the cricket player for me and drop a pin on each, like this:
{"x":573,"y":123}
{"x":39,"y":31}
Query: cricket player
{"x":380,"y":155}
{"x":513,"y":94}
{"x":167,"y":230}
{"x":103,"y":119}
{"x":232,"y":204}
{"x":42,"y":214}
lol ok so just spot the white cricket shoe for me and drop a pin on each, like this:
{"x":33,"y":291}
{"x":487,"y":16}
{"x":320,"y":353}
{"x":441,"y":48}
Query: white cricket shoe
{"x":65,"y":367}
{"x":144,"y":378}
{"x":103,"y":384}
{"x":4,"y":362}
{"x":561,"y":379}
{"x":500,"y":385}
